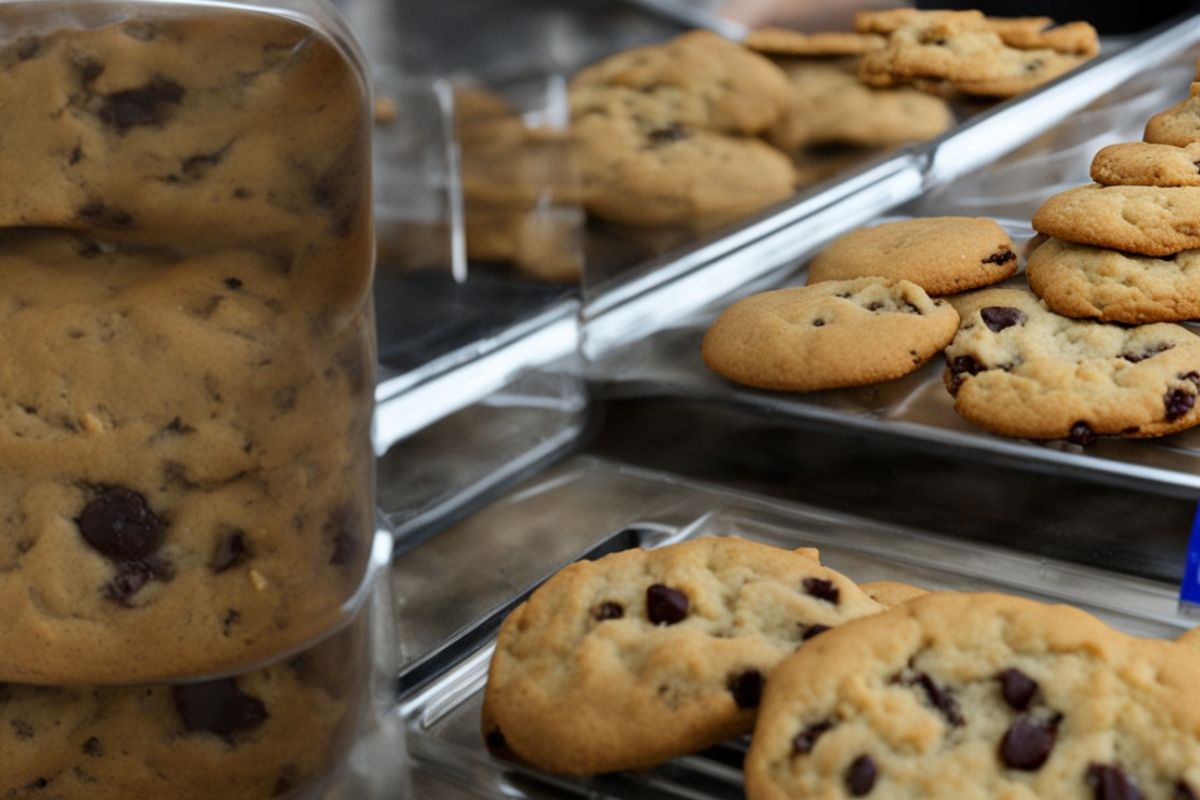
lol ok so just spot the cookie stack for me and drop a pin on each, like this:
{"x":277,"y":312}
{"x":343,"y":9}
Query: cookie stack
{"x":879,"y":690}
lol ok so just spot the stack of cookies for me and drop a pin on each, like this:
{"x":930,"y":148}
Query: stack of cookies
{"x":879,"y":690}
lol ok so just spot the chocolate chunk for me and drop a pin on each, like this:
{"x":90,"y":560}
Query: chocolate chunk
{"x":98,"y":214}
{"x":144,"y":106}
{"x":1149,"y":352}
{"x":747,"y":688}
{"x":1183,"y":792}
{"x":233,"y":283}
{"x":818,"y":323}
{"x":38,"y":783}
{"x":941,"y":699}
{"x":861,"y":775}
{"x":1001,"y":256}
{"x":178,"y":428}
{"x":959,"y":366}
{"x":1178,"y":403}
{"x":218,"y":707}
{"x":806,"y":739}
{"x":1018,"y":688}
{"x":608,"y":610}
{"x":495,"y":740}
{"x":822,"y":589}
{"x":1027,"y":743}
{"x":1081,"y":433}
{"x":666,"y":606}
{"x":909,"y":308}
{"x":814,"y":630}
{"x":874,"y":305}
{"x":120,"y":524}
{"x":76,"y":156}
{"x":1111,"y":783}
{"x":997,"y":318}
{"x":133,"y":575}
{"x":230,"y":551}
{"x":672,"y":132}
{"x":93,"y":748}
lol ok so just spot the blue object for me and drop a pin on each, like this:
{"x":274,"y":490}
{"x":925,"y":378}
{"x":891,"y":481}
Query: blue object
{"x":1189,"y":588}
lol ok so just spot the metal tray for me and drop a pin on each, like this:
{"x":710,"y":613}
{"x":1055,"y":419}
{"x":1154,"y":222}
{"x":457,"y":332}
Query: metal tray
{"x":444,"y":689}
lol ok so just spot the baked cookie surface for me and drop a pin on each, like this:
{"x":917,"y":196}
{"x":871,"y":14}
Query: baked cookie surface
{"x":1178,"y":125}
{"x":942,"y":255}
{"x":1144,"y":164}
{"x":978,"y":697}
{"x":641,"y":656}
{"x":788,"y":42}
{"x":828,"y":335}
{"x":1077,"y":280}
{"x":1151,"y":220}
{"x":1017,"y":369}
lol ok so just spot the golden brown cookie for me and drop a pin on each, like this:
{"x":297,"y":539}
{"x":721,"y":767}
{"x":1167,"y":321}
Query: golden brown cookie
{"x":891,"y":593}
{"x":787,"y":42}
{"x":644,"y":655}
{"x":1143,"y":164}
{"x":942,"y":255}
{"x":1178,"y":125}
{"x":828,"y":335}
{"x":1151,"y":220}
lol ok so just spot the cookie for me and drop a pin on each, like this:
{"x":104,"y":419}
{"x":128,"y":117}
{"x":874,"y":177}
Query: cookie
{"x":642,"y":656}
{"x":891,"y":593}
{"x":642,"y":173}
{"x":1076,"y":280}
{"x":1178,"y":125}
{"x":973,"y":696}
{"x":1151,"y":220}
{"x":1027,"y":33}
{"x":714,"y":84}
{"x":942,"y":255}
{"x":187,"y":294}
{"x":1142,"y":164}
{"x":787,"y":42}
{"x":267,"y":733}
{"x":830,"y":106}
{"x":1017,"y":369}
{"x":828,"y":335}
{"x":1025,"y":73}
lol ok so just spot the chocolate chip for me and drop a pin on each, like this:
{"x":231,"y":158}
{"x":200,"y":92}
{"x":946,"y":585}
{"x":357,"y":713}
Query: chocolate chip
{"x":197,"y":166}
{"x":230,"y":551}
{"x":120,"y":524}
{"x":747,"y":688}
{"x":233,"y":283}
{"x":1035,"y":65}
{"x":1027,"y":743}
{"x":997,"y":318}
{"x":909,"y":308}
{"x":861,"y":775}
{"x":93,"y":748}
{"x":38,"y":783}
{"x":76,"y":156}
{"x":672,"y":132}
{"x":1081,"y":434}
{"x":341,"y":530}
{"x":494,"y":739}
{"x":22,"y":729}
{"x":1111,"y":783}
{"x":806,"y":739}
{"x":874,"y":305}
{"x":1001,"y":256}
{"x":665,"y":606}
{"x":285,"y":781}
{"x":1183,"y":792}
{"x":937,"y":696}
{"x":218,"y":707}
{"x":822,"y":589}
{"x":101,"y":215}
{"x":133,"y":575}
{"x":177,"y":427}
{"x":959,"y":366}
{"x":818,"y":323}
{"x":814,"y":630}
{"x":1148,"y":352}
{"x":89,"y":70}
{"x":146,"y":105}
{"x":1018,"y":688}
{"x":608,"y":610}
{"x":1178,"y":403}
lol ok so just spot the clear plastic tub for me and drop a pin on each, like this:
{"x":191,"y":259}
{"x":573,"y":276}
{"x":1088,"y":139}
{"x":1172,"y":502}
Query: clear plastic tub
{"x":186,"y":250}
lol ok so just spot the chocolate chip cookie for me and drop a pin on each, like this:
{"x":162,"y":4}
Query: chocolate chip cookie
{"x":641,"y":656}
{"x":1076,"y":280}
{"x":954,"y":696}
{"x":1151,"y":220}
{"x":942,"y":255}
{"x":828,"y":335}
{"x":1017,"y":369}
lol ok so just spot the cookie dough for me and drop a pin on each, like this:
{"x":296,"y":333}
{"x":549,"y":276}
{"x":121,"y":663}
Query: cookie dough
{"x":828,"y":335}
{"x":972,"y":696}
{"x":1151,"y":220}
{"x":1076,"y":280}
{"x":942,"y":255}
{"x":628,"y":661}
{"x":1017,"y":369}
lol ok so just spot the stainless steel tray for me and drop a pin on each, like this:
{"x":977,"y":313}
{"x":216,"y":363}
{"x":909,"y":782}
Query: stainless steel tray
{"x":444,"y":693}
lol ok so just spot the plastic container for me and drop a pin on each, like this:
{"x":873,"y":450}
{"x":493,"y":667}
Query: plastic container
{"x":186,"y":250}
